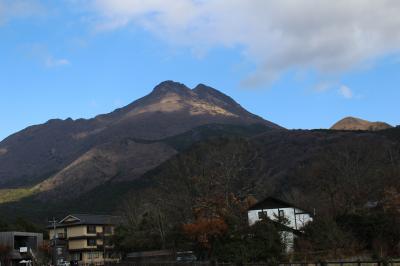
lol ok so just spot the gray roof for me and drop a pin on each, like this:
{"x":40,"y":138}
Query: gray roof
{"x":17,"y":233}
{"x":89,"y":219}
{"x":274,"y":203}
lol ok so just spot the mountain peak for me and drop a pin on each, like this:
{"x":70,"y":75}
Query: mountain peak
{"x":204,"y":89}
{"x":202,"y":86}
{"x":354,"y":123}
{"x":206,"y":92}
{"x":171,"y":86}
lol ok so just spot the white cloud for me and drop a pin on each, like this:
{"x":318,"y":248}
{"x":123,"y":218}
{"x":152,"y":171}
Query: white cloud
{"x":42,"y":54}
{"x":324,"y":86}
{"x":346,"y":92}
{"x":13,"y":9}
{"x":53,"y":62}
{"x":277,"y":35}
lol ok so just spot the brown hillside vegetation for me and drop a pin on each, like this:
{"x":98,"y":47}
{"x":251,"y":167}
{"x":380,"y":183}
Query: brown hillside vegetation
{"x":350,"y":180}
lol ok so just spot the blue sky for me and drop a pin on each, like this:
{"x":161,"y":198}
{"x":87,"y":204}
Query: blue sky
{"x":77,"y":59}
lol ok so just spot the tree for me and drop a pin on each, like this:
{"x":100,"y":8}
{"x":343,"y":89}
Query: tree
{"x":324,"y":239}
{"x":208,"y":224}
{"x":377,"y":229}
{"x":222,"y":232}
{"x":205,"y":232}
{"x":4,"y":226}
{"x":391,"y":200}
{"x":343,"y":177}
{"x":145,"y":226}
{"x":258,"y":243}
{"x":5,"y":258}
{"x":44,"y":254}
{"x":24,"y":225}
{"x":193,"y":196}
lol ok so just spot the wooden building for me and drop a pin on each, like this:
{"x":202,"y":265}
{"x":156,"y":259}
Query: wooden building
{"x":84,"y":239}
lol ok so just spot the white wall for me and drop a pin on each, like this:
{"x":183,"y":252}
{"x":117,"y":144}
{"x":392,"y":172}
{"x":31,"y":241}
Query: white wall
{"x":294,"y":222}
{"x":297,"y":219}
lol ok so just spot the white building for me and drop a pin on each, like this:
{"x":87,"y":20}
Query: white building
{"x":278,"y":211}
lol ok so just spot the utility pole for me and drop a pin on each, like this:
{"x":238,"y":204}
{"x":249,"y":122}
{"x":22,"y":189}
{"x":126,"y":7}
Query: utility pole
{"x":104,"y":244}
{"x":54,"y":241}
{"x":104,"y":241}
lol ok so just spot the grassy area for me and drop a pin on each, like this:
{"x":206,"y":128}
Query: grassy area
{"x":15,"y":194}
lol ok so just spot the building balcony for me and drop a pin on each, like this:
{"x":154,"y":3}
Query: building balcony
{"x":59,"y":242}
{"x":60,"y":236}
{"x":101,"y":247}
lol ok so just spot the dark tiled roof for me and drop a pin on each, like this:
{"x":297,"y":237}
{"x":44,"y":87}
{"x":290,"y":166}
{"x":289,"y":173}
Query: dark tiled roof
{"x":97,"y":219}
{"x":272,"y":203}
{"x":17,"y":233}
{"x":89,"y":219}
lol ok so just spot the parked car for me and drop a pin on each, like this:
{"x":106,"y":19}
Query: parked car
{"x":63,"y":263}
{"x":186,"y":256}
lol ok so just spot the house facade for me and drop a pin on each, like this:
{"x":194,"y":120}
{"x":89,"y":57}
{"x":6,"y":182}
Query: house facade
{"x":84,"y":239}
{"x":291,"y":217}
{"x":21,"y":245}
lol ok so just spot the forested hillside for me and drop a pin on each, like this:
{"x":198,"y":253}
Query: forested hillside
{"x":349,"y":179}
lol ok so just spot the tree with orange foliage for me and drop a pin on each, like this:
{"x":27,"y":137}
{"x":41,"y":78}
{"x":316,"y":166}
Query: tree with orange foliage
{"x":205,"y":230}
{"x":215,"y":218}
{"x":208,"y":224}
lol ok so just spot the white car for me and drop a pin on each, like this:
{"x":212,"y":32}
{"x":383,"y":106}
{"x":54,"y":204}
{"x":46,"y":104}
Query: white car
{"x":63,"y":263}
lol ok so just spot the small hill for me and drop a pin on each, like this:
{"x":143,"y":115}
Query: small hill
{"x":353,"y":123}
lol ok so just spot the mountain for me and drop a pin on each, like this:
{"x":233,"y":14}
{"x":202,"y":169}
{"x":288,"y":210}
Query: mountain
{"x":353,"y":123}
{"x":329,"y":171}
{"x":325,"y":170}
{"x":176,"y":141}
{"x":66,"y":158}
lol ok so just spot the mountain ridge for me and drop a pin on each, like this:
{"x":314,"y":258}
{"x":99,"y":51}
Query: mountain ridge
{"x":293,"y":164}
{"x":80,"y":154}
{"x":149,"y":147}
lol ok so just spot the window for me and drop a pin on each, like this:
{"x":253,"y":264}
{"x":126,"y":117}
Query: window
{"x":262,"y":215}
{"x":91,"y":229}
{"x":76,"y":256}
{"x":281,"y":214}
{"x":91,"y":242}
{"x":94,"y":255}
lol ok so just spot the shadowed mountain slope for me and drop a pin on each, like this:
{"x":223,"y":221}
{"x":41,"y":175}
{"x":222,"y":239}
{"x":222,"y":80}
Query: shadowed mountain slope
{"x":69,"y":157}
{"x":302,"y":166}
